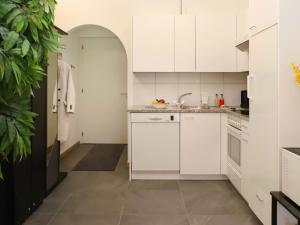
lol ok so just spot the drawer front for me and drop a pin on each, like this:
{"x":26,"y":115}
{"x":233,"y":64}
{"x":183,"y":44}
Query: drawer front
{"x":261,"y":204}
{"x":234,"y":177}
{"x":290,"y":175}
{"x":154,"y":117}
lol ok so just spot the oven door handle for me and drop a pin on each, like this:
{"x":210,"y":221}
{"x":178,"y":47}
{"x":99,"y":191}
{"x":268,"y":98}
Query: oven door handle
{"x":234,"y":131}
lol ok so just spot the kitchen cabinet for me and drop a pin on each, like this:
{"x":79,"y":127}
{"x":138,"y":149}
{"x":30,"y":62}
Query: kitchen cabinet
{"x":155,"y":141}
{"x":224,"y":143}
{"x":185,"y":45}
{"x":262,"y":14}
{"x":263,"y":172}
{"x":153,"y":44}
{"x":215,"y":43}
{"x":200,"y":144}
{"x":242,"y":27}
{"x":243,"y":57}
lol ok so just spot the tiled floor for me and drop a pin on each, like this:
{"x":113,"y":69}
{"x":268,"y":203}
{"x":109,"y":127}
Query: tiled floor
{"x":107,"y":198}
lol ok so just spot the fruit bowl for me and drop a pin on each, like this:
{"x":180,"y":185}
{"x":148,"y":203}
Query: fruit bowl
{"x":160,"y":106}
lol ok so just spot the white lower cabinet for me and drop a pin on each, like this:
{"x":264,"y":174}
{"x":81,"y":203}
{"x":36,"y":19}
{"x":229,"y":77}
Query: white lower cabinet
{"x":224,"y":143}
{"x":200,"y":144}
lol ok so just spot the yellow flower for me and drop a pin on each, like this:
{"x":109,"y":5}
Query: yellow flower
{"x":297,"y":73}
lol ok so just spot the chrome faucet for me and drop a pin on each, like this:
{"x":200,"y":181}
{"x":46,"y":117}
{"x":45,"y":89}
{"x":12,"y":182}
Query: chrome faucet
{"x":179,"y":102}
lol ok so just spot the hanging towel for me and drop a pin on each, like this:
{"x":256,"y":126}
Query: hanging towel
{"x":64,"y":99}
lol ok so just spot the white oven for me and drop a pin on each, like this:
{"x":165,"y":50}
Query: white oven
{"x":234,"y":151}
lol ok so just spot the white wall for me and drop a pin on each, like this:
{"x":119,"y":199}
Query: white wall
{"x":116,"y":15}
{"x":70,"y":55}
{"x":149,"y":86}
{"x":289,"y":92}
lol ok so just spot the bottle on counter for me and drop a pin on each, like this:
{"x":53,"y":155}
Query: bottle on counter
{"x":217,"y":100}
{"x":221,"y":101}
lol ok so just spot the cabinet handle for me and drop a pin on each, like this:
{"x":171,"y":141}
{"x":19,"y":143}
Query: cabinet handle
{"x":259,"y":198}
{"x":155,"y":119}
{"x":249,"y":86}
{"x":253,"y":27}
{"x":189,"y":118}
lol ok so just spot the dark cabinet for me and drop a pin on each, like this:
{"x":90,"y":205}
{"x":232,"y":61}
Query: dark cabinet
{"x":24,"y":187}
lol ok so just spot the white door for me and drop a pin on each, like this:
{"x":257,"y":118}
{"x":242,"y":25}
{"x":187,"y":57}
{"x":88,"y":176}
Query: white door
{"x":153,"y":44}
{"x":215,"y":43}
{"x":200,"y":144}
{"x":103,"y":91}
{"x":263,"y":155}
{"x":262,"y":14}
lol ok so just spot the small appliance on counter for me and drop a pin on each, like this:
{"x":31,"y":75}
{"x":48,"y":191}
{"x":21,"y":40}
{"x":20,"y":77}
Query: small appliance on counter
{"x":244,"y":100}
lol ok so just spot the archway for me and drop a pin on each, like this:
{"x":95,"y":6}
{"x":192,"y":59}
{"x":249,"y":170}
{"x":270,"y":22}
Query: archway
{"x":100,"y":76}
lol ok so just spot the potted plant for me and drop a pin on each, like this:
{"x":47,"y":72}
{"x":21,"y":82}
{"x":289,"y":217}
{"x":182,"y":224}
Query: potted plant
{"x":27,"y":34}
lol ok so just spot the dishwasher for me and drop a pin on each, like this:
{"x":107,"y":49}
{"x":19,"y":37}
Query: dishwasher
{"x":155,"y":141}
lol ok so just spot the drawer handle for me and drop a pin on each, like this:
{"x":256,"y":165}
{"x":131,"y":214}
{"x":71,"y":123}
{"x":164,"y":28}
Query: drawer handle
{"x":189,"y":118}
{"x":259,"y":198}
{"x":155,"y":119}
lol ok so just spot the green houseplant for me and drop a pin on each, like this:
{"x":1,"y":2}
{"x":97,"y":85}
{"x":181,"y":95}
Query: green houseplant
{"x":27,"y":34}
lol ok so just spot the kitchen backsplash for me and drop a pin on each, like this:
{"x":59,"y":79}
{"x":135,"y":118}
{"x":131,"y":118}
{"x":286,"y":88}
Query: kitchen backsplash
{"x":149,"y":86}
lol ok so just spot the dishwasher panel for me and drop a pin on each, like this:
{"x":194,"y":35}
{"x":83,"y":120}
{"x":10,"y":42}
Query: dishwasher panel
{"x":155,"y":145}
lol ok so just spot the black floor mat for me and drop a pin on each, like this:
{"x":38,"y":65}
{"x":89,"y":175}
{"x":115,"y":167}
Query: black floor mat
{"x":102,"y":157}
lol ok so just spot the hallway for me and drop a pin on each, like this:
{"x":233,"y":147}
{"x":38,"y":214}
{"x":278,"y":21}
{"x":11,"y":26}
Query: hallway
{"x":107,"y":198}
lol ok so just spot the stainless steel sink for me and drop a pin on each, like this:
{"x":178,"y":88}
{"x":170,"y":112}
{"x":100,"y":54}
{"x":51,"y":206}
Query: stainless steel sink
{"x":194,"y":107}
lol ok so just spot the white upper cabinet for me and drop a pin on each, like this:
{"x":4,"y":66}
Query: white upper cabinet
{"x":262,"y":14}
{"x":185,"y":44}
{"x":153,"y":44}
{"x":242,"y":26}
{"x":215,"y":43}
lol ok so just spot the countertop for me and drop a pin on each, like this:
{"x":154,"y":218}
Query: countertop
{"x":171,"y":109}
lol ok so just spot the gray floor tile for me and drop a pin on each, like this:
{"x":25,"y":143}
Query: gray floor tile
{"x":99,"y":197}
{"x":75,"y":219}
{"x":154,"y":202}
{"x":94,"y":202}
{"x":39,"y":219}
{"x":212,"y":198}
{"x":223,"y":220}
{"x":154,"y":220}
{"x":68,"y":163}
{"x":50,"y":206}
{"x":154,"y":185}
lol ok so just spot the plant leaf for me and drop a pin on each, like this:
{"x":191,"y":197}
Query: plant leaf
{"x":5,"y":8}
{"x":13,"y":15}
{"x":25,"y":47}
{"x":10,"y":40}
{"x":11,"y":131}
{"x":1,"y":174}
{"x":3,"y":126}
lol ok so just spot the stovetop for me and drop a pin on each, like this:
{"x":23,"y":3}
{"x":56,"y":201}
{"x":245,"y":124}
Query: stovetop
{"x":242,"y":111}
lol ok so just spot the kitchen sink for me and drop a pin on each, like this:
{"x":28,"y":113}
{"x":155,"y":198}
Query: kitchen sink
{"x":194,"y":107}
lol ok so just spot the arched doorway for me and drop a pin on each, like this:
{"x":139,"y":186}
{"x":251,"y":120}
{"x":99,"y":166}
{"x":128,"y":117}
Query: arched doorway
{"x":100,"y":73}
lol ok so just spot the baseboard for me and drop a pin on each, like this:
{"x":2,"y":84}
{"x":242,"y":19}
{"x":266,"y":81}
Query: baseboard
{"x":69,"y":150}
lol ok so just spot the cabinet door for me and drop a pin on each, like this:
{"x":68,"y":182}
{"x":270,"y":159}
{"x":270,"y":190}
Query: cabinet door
{"x":215,"y":43}
{"x":200,"y":138}
{"x":155,"y":146}
{"x":224,"y":145}
{"x":262,"y":147}
{"x":153,"y":44}
{"x":185,"y":44}
{"x":262,"y":14}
